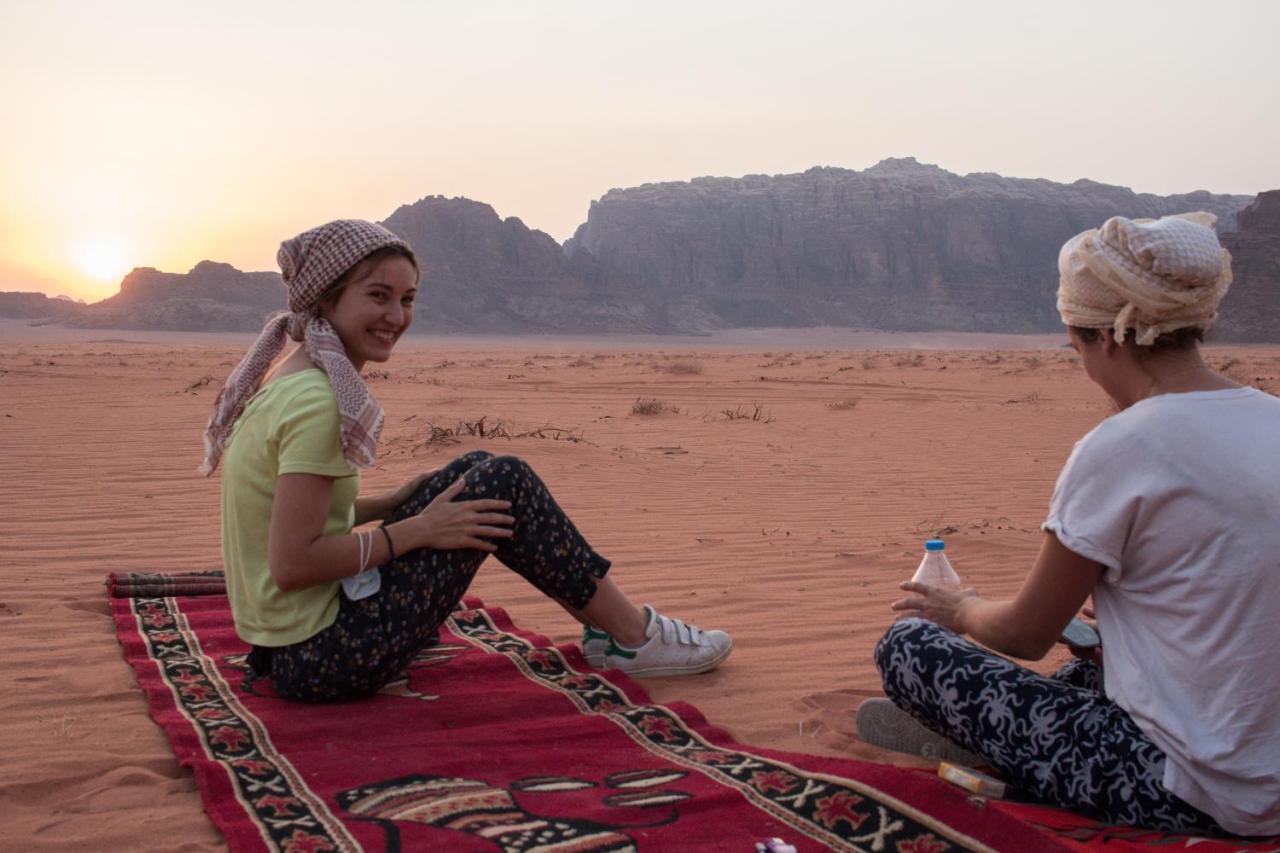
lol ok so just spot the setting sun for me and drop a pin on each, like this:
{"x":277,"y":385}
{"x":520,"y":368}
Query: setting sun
{"x":103,"y":258}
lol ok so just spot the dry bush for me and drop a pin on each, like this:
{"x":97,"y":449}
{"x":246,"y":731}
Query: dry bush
{"x":580,"y":361}
{"x":683,"y":368}
{"x":652,"y":407}
{"x":1224,"y":365}
{"x":1029,"y":398}
{"x":1233,"y":369}
{"x":482,"y":427}
{"x":870,"y":363}
{"x":757,"y":414}
{"x":913,"y":360}
{"x":842,"y":405}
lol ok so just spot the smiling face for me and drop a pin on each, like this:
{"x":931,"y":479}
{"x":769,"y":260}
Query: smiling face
{"x":374,"y":309}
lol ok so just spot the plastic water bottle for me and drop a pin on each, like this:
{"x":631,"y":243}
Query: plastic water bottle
{"x":935,"y":569}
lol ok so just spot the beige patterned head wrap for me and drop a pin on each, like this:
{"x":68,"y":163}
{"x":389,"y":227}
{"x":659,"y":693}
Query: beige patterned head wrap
{"x":1150,"y":275}
{"x":310,"y":264}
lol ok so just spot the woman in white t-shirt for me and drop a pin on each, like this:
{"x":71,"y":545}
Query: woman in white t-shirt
{"x":1168,"y":515}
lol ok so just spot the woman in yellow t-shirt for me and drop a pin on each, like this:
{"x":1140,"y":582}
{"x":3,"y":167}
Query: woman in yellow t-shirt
{"x":335,"y":614}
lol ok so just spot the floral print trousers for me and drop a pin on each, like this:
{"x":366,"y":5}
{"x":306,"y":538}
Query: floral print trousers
{"x":372,"y":640}
{"x":1058,"y":740}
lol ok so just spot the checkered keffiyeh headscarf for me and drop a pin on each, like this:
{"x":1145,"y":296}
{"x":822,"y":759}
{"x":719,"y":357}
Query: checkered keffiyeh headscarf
{"x":310,"y":264}
{"x":1150,"y":275}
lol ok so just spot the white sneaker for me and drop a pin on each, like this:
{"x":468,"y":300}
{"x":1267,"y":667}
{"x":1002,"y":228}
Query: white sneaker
{"x":594,"y":644}
{"x":673,"y":648}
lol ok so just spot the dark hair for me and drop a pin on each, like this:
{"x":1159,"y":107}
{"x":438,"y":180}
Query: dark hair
{"x":1178,"y":339}
{"x":361,"y":266}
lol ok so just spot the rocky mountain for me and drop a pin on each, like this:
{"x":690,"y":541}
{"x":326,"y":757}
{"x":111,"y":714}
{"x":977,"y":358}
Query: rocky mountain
{"x":1251,"y":311}
{"x":24,"y":305}
{"x":901,"y":245}
{"x":483,"y":273}
{"x":212,"y":297}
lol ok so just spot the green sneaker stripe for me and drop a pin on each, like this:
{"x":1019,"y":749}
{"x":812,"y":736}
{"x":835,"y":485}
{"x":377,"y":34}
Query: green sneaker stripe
{"x":619,"y":651}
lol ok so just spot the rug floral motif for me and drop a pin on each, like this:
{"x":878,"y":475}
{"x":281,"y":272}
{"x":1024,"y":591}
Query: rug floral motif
{"x":496,"y":740}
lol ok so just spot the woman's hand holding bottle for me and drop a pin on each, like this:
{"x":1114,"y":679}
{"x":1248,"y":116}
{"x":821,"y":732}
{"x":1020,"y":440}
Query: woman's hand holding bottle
{"x":936,"y":603}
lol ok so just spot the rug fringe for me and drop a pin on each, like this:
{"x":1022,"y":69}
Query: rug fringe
{"x":160,"y":585}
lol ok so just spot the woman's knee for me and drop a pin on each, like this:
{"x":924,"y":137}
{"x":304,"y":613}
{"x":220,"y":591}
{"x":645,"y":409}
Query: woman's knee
{"x":903,"y":636}
{"x":472,"y":458}
{"x":502,"y":470}
{"x":458,"y":466}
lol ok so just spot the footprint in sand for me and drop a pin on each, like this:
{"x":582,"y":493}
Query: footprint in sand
{"x":827,"y":717}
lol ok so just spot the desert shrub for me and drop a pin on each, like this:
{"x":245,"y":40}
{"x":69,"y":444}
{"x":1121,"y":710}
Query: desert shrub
{"x":652,"y":407}
{"x":483,"y":427}
{"x":757,"y":413}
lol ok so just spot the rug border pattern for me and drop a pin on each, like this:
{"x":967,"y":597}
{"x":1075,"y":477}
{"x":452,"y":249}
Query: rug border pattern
{"x":288,"y":815}
{"x":765,"y":782}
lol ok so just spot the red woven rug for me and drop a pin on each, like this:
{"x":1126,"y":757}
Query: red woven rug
{"x":495,"y":740}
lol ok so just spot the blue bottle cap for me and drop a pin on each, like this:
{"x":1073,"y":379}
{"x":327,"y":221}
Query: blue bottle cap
{"x":934,"y":545}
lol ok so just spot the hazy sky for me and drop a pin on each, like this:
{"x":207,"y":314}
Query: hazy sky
{"x":161,"y":133}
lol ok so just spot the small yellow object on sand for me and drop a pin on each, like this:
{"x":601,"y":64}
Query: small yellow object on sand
{"x":973,"y":781}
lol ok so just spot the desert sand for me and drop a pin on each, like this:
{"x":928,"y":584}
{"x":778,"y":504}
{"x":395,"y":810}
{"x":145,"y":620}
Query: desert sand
{"x":781,"y":492}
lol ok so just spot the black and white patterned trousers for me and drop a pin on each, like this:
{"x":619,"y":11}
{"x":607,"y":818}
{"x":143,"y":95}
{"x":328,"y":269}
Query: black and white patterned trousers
{"x":1058,"y":740}
{"x":373,"y":640}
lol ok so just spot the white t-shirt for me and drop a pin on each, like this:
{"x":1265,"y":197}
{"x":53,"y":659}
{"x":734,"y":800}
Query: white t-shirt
{"x":1178,"y":497}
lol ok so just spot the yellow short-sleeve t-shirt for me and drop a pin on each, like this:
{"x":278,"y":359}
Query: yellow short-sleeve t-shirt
{"x":291,"y":426}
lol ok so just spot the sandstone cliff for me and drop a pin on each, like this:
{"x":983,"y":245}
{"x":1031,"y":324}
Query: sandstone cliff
{"x":1251,"y":310}
{"x":36,"y":307}
{"x":212,"y":297}
{"x":483,"y":273}
{"x":900,"y":245}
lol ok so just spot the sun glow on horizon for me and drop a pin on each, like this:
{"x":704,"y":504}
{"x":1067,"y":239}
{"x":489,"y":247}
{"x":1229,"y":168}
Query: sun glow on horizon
{"x":106,"y":165}
{"x":103,"y":258}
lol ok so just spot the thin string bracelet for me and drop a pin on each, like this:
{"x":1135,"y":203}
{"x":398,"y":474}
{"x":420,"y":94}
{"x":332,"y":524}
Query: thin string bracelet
{"x":368,"y":550}
{"x":360,"y":545}
{"x":391,"y":546}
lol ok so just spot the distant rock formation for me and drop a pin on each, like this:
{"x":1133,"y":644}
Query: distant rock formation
{"x":483,"y":273}
{"x":22,"y":305}
{"x":900,"y":245}
{"x":1251,"y":310}
{"x":212,"y":297}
